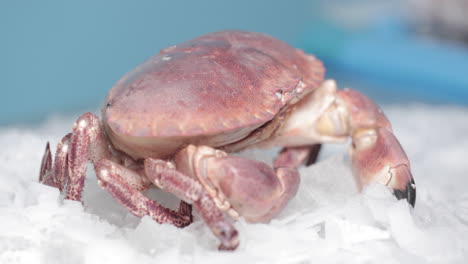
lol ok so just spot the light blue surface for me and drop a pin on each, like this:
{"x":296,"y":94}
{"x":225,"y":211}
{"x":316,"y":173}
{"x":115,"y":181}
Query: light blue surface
{"x":63,"y":56}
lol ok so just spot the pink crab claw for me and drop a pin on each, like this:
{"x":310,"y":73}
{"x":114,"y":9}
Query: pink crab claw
{"x":336,"y":115}
{"x":377,"y":156}
{"x":239,"y":186}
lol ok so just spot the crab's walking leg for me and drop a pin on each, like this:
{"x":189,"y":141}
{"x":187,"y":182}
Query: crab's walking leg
{"x":46,"y":175}
{"x":113,"y":177}
{"x":376,"y":154}
{"x":165,"y":176}
{"x":56,"y":174}
{"x":86,"y":142}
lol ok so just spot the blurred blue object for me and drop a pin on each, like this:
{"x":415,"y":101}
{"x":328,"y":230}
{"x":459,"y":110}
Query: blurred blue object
{"x":387,"y":55}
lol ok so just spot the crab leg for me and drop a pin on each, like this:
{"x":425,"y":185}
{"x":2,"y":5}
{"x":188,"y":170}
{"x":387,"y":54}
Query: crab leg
{"x":165,"y":176}
{"x":111,"y":177}
{"x":56,"y":174}
{"x":86,"y":142}
{"x":46,"y":175}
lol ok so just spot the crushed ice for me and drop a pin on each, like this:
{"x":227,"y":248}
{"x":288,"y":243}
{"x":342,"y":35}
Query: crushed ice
{"x":328,"y":221}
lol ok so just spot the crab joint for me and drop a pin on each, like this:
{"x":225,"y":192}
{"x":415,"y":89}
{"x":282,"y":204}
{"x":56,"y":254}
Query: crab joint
{"x":334,"y":121}
{"x":364,"y":138}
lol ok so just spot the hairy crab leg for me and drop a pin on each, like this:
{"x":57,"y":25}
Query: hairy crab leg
{"x":165,"y":176}
{"x":111,"y":177}
{"x":86,"y":142}
{"x":56,"y":174}
{"x":53,"y":174}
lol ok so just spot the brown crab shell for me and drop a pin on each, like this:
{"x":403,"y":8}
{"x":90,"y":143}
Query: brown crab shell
{"x":219,"y":83}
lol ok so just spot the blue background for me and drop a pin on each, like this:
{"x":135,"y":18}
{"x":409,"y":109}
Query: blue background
{"x":63,"y":56}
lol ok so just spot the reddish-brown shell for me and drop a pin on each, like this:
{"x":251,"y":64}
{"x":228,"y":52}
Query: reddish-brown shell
{"x":212,"y":84}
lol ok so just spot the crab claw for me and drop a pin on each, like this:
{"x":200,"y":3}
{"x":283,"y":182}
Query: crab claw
{"x":254,"y":189}
{"x":377,"y":156}
{"x":240,"y":186}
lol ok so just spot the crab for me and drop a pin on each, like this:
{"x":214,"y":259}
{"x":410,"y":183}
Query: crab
{"x":176,"y":120}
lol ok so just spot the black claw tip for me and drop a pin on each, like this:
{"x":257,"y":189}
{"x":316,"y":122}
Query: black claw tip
{"x":409,"y":193}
